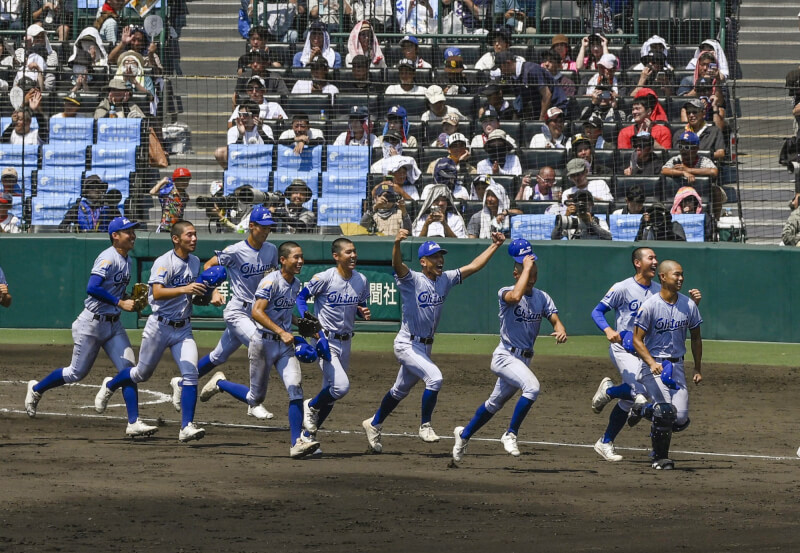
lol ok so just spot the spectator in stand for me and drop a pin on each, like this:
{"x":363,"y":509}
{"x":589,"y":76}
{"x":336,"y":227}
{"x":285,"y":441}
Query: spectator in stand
{"x":119,"y":98}
{"x":437,"y":105}
{"x":417,"y":17}
{"x":560,"y":45}
{"x":711,"y":45}
{"x":255,"y":93}
{"x":71,"y":107}
{"x":578,"y":177}
{"x":93,"y":212}
{"x":85,"y":77}
{"x":552,"y":135}
{"x":294,"y":217}
{"x":582,"y":149}
{"x":653,"y":45}
{"x":500,"y":39}
{"x":449,"y":127}
{"x":33,"y":100}
{"x":318,"y":43}
{"x":634,"y":202}
{"x":90,"y":42}
{"x":406,"y":72}
{"x":643,"y":162}
{"x":379,"y":13}
{"x":494,"y":97}
{"x":605,"y":76}
{"x":409,"y":50}
{"x":362,"y":41}
{"x":360,"y":83}
{"x":397,"y":120}
{"x":318,"y":84}
{"x":10,"y":182}
{"x":688,"y":202}
{"x":134,"y":39}
{"x":172,"y":195}
{"x":249,"y":129}
{"x":9,"y":223}
{"x":327,"y":13}
{"x":533,"y":83}
{"x":710,"y":136}
{"x":108,"y":18}
{"x":391,"y":146}
{"x":689,"y":163}
{"x":708,"y":87}
{"x":458,"y":152}
{"x":454,"y":83}
{"x":301,"y":135}
{"x":545,"y":188}
{"x":131,"y":70}
{"x":359,"y":130}
{"x":646,"y":113}
{"x":790,"y":235}
{"x":593,"y":130}
{"x":438,"y":216}
{"x":508,"y":12}
{"x":256,"y":42}
{"x":578,"y":222}
{"x":19,"y":131}
{"x":445,"y":171}
{"x":11,"y":12}
{"x":495,"y":216}
{"x":604,"y":106}
{"x":656,"y":75}
{"x":593,"y":48}
{"x":403,"y":171}
{"x":41,"y":61}
{"x":271,"y":83}
{"x":490,"y":121}
{"x":388,"y":212}
{"x":657,"y":224}
{"x":563,"y":88}
{"x":466,"y":17}
{"x":706,"y":68}
{"x":501,"y":157}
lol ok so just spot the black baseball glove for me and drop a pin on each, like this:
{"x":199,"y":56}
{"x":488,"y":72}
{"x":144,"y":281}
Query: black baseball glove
{"x":309,"y":325}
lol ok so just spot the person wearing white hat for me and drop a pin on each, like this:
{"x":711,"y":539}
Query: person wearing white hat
{"x":458,"y":151}
{"x":552,"y":135}
{"x":437,"y":105}
{"x":449,"y":126}
{"x":606,"y":69}
{"x":502,"y":160}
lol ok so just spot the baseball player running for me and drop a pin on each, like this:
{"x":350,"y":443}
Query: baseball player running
{"x":340,"y":293}
{"x":172,"y":285}
{"x":5,"y":296}
{"x":522,"y":308}
{"x":245,"y":262}
{"x":98,"y":326}
{"x":660,"y":340}
{"x":423,"y":294}
{"x":625,"y":298}
{"x":274,"y":302}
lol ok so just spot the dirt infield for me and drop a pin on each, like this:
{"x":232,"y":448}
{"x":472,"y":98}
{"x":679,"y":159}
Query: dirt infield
{"x":72,"y":482}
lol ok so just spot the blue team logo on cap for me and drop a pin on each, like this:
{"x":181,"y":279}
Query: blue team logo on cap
{"x":121,"y":223}
{"x":519,"y":249}
{"x":452,"y":52}
{"x":399,"y":111}
{"x":409,"y":38}
{"x":429,"y":248}
{"x":690,"y":138}
{"x":261,"y":216}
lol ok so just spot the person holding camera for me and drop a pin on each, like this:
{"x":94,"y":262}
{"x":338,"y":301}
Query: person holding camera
{"x":689,"y":164}
{"x":94,"y":211}
{"x":605,"y":76}
{"x":249,"y":129}
{"x":388,"y":212}
{"x":657,"y":224}
{"x":577,"y":222}
{"x":495,"y":216}
{"x":294,"y":217}
{"x":657,"y":74}
{"x":438,"y":216}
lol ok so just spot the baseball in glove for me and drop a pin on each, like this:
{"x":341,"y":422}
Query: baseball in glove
{"x":309,"y":325}
{"x":139,"y":296}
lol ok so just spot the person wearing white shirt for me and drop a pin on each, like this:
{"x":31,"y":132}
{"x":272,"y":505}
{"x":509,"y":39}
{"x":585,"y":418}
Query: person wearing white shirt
{"x":552,"y":135}
{"x":438,"y":217}
{"x":502,"y":160}
{"x":578,"y":175}
{"x":357,"y":133}
{"x":8,"y":223}
{"x":319,"y":80}
{"x":301,"y":134}
{"x":407,"y":70}
{"x":20,"y":132}
{"x":248,"y":129}
{"x":606,"y":67}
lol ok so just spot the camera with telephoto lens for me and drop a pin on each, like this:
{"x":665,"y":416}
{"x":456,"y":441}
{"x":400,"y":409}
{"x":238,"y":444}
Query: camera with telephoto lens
{"x":583,"y":202}
{"x":245,"y":195}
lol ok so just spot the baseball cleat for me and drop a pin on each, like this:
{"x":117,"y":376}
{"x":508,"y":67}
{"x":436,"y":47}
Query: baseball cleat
{"x":509,"y":440}
{"x":303,"y":447}
{"x":427,"y":434}
{"x":635,"y":414}
{"x":460,"y":446}
{"x":259,"y":412}
{"x":191,"y":432}
{"x":601,"y":398}
{"x":211,"y":388}
{"x":32,"y":399}
{"x":798,"y":451}
{"x":103,"y":396}
{"x":176,"y":392}
{"x":607,"y":451}
{"x":373,"y":435}
{"x":663,"y":464}
{"x":138,"y":429}
{"x":310,"y":417}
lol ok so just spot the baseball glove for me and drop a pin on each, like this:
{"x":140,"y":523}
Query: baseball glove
{"x":309,"y":325}
{"x":139,"y":296}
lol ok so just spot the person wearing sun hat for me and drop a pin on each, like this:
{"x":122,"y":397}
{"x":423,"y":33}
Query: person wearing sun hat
{"x":501,"y":158}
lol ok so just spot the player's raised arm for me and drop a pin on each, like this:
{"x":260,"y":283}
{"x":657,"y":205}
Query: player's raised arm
{"x":697,"y":353}
{"x":480,"y":262}
{"x":400,"y":268}
{"x":515,"y":294}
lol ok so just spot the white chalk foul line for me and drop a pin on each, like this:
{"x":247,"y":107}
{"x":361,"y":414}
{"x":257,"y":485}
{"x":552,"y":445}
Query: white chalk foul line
{"x":159,"y":397}
{"x":163,"y":398}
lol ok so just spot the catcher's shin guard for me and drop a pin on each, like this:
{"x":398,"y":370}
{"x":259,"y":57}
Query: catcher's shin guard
{"x":664,"y":416}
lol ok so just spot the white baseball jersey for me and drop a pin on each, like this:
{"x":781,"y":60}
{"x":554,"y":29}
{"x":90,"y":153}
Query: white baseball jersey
{"x":246,"y":267}
{"x":665,"y":324}
{"x":625,"y":298}
{"x":115,"y":270}
{"x":423,"y":300}
{"x":336,"y":299}
{"x":171,"y":271}
{"x":520,"y":322}
{"x":280,"y":296}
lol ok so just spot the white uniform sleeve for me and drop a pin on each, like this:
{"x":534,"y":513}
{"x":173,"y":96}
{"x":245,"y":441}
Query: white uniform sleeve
{"x":317,"y":284}
{"x":264,"y":290}
{"x":549,"y":307}
{"x":226,"y":257}
{"x":101,"y":267}
{"x":695,"y":319}
{"x":615,"y":297}
{"x":643,"y":318}
{"x":159,"y":274}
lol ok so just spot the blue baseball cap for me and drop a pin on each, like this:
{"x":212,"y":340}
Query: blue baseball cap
{"x":121,"y":223}
{"x":451,"y":52}
{"x":688,"y":137}
{"x":666,"y":376}
{"x":429,"y":248}
{"x":397,"y":111}
{"x":261,"y":216}
{"x":519,"y":249}
{"x":627,"y":341}
{"x":410,"y":38}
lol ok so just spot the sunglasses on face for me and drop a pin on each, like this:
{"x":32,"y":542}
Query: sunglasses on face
{"x":688,"y":147}
{"x":692,"y":112}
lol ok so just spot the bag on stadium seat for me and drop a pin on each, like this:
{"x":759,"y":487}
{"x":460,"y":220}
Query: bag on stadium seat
{"x":158,"y":157}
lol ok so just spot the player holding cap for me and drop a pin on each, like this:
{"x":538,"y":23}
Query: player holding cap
{"x":660,"y":340}
{"x":423,"y":294}
{"x":274,"y":302}
{"x":340,"y":293}
{"x":98,"y":326}
{"x":172,"y":285}
{"x":522,"y":308}
{"x":245,"y":262}
{"x":625,"y":298}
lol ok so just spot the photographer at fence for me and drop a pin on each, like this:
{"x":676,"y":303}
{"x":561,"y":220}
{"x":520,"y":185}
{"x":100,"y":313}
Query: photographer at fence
{"x":578,"y":223}
{"x":388,"y":213}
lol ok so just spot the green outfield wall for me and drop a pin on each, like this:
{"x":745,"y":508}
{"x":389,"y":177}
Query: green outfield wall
{"x":749,"y":293}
